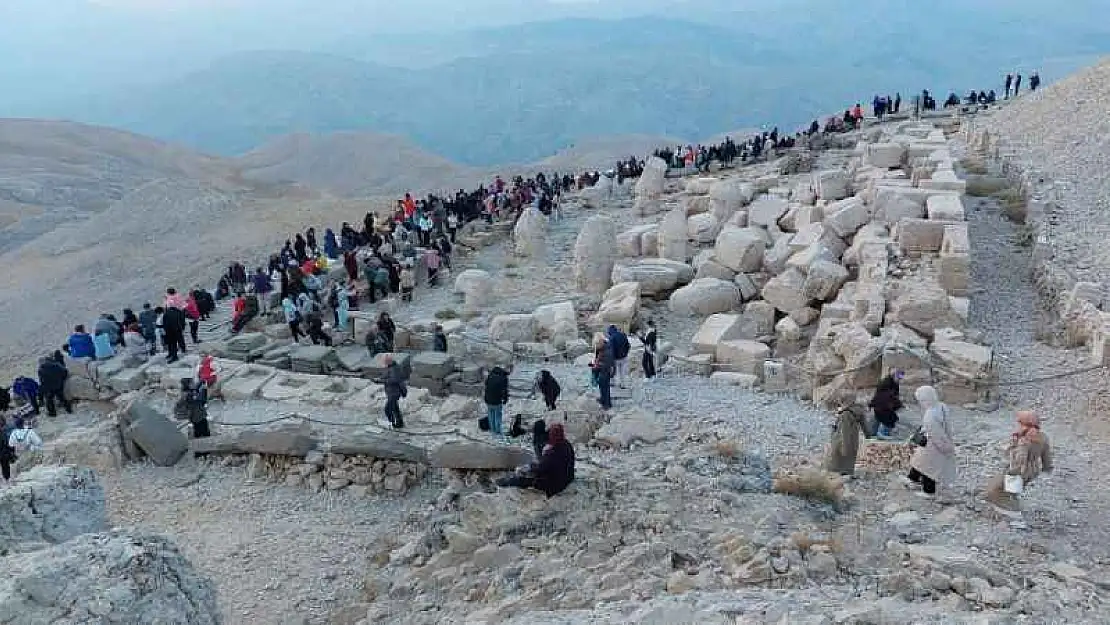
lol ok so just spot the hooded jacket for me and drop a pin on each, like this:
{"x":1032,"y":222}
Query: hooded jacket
{"x":81,"y":345}
{"x":618,"y":341}
{"x":52,"y":375}
{"x":555,"y":469}
{"x":395,"y":381}
{"x":497,"y":387}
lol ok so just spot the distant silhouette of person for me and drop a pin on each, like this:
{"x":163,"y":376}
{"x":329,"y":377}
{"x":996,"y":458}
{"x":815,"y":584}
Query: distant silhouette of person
{"x":1009,"y":84}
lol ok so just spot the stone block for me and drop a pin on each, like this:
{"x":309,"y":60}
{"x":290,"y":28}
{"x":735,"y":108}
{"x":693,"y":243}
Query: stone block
{"x":758,"y":320}
{"x":127,"y":380}
{"x":740,"y":249}
{"x":955,"y":260}
{"x":924,"y":306}
{"x":776,"y":258}
{"x":705,"y":297}
{"x":716,"y":328}
{"x":766,"y":211}
{"x":965,"y":358}
{"x":619,"y":305}
{"x":823,"y":280}
{"x":516,"y":328}
{"x":473,"y":455}
{"x":830,"y":185}
{"x":945,"y":208}
{"x":155,"y":434}
{"x":742,"y":356}
{"x":435,"y":365}
{"x":918,"y":236}
{"x":748,"y":288}
{"x":729,"y":378}
{"x":786,"y":291}
{"x":847,"y":216}
{"x":885,"y":155}
{"x":702,"y":228}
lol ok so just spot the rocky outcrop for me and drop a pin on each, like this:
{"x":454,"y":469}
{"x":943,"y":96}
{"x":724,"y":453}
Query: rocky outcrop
{"x":48,"y":505}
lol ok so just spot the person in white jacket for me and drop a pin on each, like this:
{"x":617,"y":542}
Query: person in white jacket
{"x":23,"y":438}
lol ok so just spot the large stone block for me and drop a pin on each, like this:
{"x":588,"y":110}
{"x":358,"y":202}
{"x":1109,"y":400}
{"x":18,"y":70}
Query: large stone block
{"x":885,"y":155}
{"x":435,"y":365}
{"x":743,"y":356}
{"x":955,"y":260}
{"x":924,"y":306}
{"x":155,"y":434}
{"x":766,"y":211}
{"x":47,"y":505}
{"x":823,"y":280}
{"x":945,"y":208}
{"x":705,"y":297}
{"x":630,"y":241}
{"x":619,"y":305}
{"x":517,"y":328}
{"x":891,"y":204}
{"x":671,"y":239}
{"x":715,"y":329}
{"x":702,"y":228}
{"x":830,"y":185}
{"x":786,"y":291}
{"x":918,"y":236}
{"x":847,"y":216}
{"x":556,"y":321}
{"x":740,"y":249}
{"x":247,"y":382}
{"x":656,"y":276}
{"x":595,"y":251}
{"x":757,"y":321}
{"x":473,"y":455}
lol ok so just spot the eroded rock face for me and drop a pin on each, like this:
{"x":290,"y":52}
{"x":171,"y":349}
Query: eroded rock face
{"x":121,"y":576}
{"x":49,"y":505}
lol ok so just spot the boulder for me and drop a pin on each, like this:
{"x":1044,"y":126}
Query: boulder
{"x":740,"y":249}
{"x":656,"y":276}
{"x":830,"y":185}
{"x":885,"y":155}
{"x":630,"y":242}
{"x":115,"y":577}
{"x":779,"y":254}
{"x":758,"y":320}
{"x":705,"y":296}
{"x":619,"y":305}
{"x":846,"y":216}
{"x":155,"y":434}
{"x":702,"y":228}
{"x":48,"y":505}
{"x":530,"y":233}
{"x":786,"y":291}
{"x":474,"y":455}
{"x":823,"y":280}
{"x":711,"y":269}
{"x":696,"y":205}
{"x":923,"y":306}
{"x":476,"y":287}
{"x":967,"y":359}
{"x":97,"y":446}
{"x":378,"y":445}
{"x":649,"y":242}
{"x":517,"y":328}
{"x":651,"y":181}
{"x":555,"y":321}
{"x":748,"y":288}
{"x":595,"y":252}
{"x":435,"y":365}
{"x":743,"y":356}
{"x":716,"y":328}
{"x":891,"y":205}
{"x":766,"y":211}
{"x":625,"y":428}
{"x":671,"y":239}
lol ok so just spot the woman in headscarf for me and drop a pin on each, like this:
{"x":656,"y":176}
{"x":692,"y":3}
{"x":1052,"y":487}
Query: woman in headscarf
{"x":310,"y":240}
{"x":1027,"y":456}
{"x":553,"y":471}
{"x":331,"y":245}
{"x":350,"y":263}
{"x":300,"y":246}
{"x":934,"y":463}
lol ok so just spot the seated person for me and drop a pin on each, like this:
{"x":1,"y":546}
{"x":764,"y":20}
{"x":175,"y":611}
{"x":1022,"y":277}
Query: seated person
{"x":81,"y":344}
{"x":553,"y":471}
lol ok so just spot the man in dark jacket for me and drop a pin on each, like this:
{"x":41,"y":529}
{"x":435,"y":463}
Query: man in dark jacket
{"x":439,"y":339}
{"x":604,"y":368}
{"x":52,"y":380}
{"x":173,"y":325}
{"x":618,"y":341}
{"x":886,"y":402}
{"x":395,"y":389}
{"x":148,"y":323}
{"x":496,"y":396}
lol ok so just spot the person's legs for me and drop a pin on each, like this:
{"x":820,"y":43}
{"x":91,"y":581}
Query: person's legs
{"x":181,"y":343}
{"x":928,"y":485}
{"x":6,"y":468}
{"x":60,"y":395}
{"x":622,"y":370}
{"x":171,"y":347}
{"x":51,"y":410}
{"x":915,"y":476}
{"x":649,"y":365}
{"x":603,"y":382}
{"x":194,"y":326}
{"x":34,"y":401}
{"x":391,"y":410}
{"x":494,"y":414}
{"x":518,"y":480}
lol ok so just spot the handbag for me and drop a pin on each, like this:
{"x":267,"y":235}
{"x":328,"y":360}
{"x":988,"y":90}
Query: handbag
{"x":1013,"y":484}
{"x":919,"y":438}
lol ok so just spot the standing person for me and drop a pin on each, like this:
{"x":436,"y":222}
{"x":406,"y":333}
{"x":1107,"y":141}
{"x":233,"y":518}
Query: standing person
{"x":545,"y":384}
{"x":395,"y":389}
{"x":1034,"y":81}
{"x":387,"y":329}
{"x":897,"y":102}
{"x":432,"y":261}
{"x":7,"y":452}
{"x":651,"y":346}
{"x":293,"y":318}
{"x":886,"y":403}
{"x":173,"y":325}
{"x":350,"y":263}
{"x":343,"y":309}
{"x":439,"y":339}
{"x":1027,"y":456}
{"x":452,"y":225}
{"x":52,"y":380}
{"x":1017,"y":85}
{"x":496,"y":395}
{"x":603,"y":368}
{"x":1009,"y":83}
{"x":408,"y":283}
{"x":263,"y":287}
{"x":148,"y":322}
{"x":618,"y":342}
{"x":192,"y":313}
{"x":934,"y":463}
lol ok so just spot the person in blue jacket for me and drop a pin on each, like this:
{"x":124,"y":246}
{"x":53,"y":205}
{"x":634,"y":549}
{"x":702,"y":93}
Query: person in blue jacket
{"x":81,"y":344}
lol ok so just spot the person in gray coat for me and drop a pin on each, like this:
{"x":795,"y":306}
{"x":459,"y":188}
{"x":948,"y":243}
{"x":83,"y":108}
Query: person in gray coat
{"x":395,"y":389}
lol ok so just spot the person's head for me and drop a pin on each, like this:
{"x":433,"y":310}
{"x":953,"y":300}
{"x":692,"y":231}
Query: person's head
{"x":556,"y":434}
{"x":1028,"y":420}
{"x":79,"y":328}
{"x":146,"y":306}
{"x":171,"y":291}
{"x":897,"y":374}
{"x":159,"y":310}
{"x":437,"y":328}
{"x":926,"y":396}
{"x":650,"y":323}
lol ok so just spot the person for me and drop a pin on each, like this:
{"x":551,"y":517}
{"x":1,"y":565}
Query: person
{"x":387,"y":329}
{"x":432,"y":262}
{"x":553,"y":470}
{"x":546,"y":385}
{"x":1009,"y":83}
{"x":173,"y":299}
{"x":452,"y":225}
{"x":651,"y":346}
{"x":52,"y":380}
{"x":173,"y":325}
{"x":933,"y":463}
{"x":23,"y":438}
{"x":496,"y":395}
{"x":395,"y":389}
{"x":106,"y":326}
{"x":603,"y":367}
{"x":408,"y":282}
{"x":81,"y":344}
{"x":1034,"y":81}
{"x":313,"y":320}
{"x":206,"y":374}
{"x":380,"y":282}
{"x":7,"y":452}
{"x":28,"y":390}
{"x":439,"y":339}
{"x":292,"y":317}
{"x":192,"y":407}
{"x":192,"y":313}
{"x":1028,"y":455}
{"x":844,"y":443}
{"x":343,"y":306}
{"x":1017,"y":85}
{"x":148,"y":322}
{"x":618,"y":342}
{"x":263,"y":286}
{"x":886,"y":402}
{"x":137,"y":348}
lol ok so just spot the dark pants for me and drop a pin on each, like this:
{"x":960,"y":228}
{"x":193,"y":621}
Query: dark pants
{"x":52,"y":394}
{"x":201,"y":429}
{"x":175,"y":341}
{"x":393,"y":412}
{"x":452,"y":232}
{"x":550,"y":401}
{"x":6,"y":468}
{"x":194,"y":326}
{"x":604,"y":381}
{"x":151,"y":340}
{"x":927,"y":484}
{"x":520,"y":480}
{"x":295,"y":329}
{"x":648,"y":363}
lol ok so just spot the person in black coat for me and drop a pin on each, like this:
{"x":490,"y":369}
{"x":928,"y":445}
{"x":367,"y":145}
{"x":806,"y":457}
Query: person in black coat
{"x":496,"y":396}
{"x":173,"y":325}
{"x":553,"y":471}
{"x":52,"y":384}
{"x":547,"y":386}
{"x":439,"y":339}
{"x":395,"y":389}
{"x":886,"y":402}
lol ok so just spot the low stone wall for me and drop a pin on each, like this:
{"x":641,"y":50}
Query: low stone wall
{"x":878,"y":456}
{"x":357,"y":475}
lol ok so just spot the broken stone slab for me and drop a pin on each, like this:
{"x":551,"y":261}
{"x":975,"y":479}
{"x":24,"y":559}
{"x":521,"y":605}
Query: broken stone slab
{"x":702,"y":228}
{"x":847,"y":216}
{"x":885,"y":155}
{"x":823,"y":280}
{"x":286,"y":439}
{"x":729,"y":378}
{"x":516,"y":328}
{"x":740,"y":249}
{"x":705,"y":296}
{"x":955,"y":260}
{"x":383,"y":446}
{"x":917,"y":236}
{"x":924,"y":306}
{"x":786,"y":291}
{"x":830,"y":185}
{"x":757,"y":321}
{"x":478,"y":456}
{"x":712,"y":269}
{"x":47,"y":505}
{"x":625,"y":428}
{"x":246,"y":382}
{"x":742,"y":356}
{"x":155,"y":434}
{"x":97,"y":446}
{"x":656,"y":276}
{"x":945,"y":208}
{"x":748,"y":288}
{"x":436,"y":365}
{"x":766,"y":211}
{"x":716,"y":328}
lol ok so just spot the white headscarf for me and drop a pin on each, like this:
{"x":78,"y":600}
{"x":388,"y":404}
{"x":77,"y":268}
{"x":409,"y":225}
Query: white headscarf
{"x":926,"y":396}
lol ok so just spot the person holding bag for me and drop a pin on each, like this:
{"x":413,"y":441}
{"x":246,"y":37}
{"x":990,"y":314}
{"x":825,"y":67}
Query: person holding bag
{"x":1028,"y":455}
{"x":934,"y":462}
